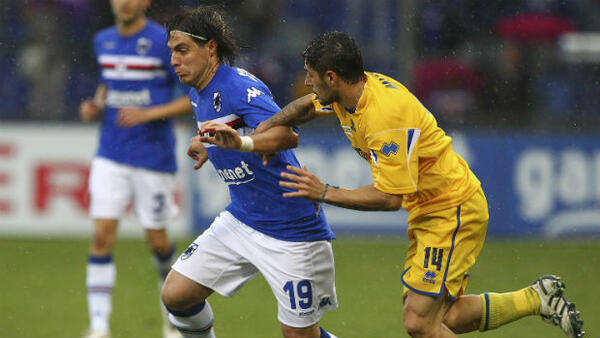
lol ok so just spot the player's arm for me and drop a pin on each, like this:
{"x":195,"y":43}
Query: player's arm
{"x":309,"y":186}
{"x":89,"y":109}
{"x":272,"y":140}
{"x":296,"y":112}
{"x":132,"y":116}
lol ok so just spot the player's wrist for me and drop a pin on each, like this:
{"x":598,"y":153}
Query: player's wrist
{"x":247,"y":144}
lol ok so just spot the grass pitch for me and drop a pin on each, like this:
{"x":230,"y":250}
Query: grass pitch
{"x":42,"y":289}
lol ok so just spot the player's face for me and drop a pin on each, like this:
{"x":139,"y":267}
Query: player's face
{"x":128,"y":11}
{"x":190,"y":61}
{"x":318,"y":85}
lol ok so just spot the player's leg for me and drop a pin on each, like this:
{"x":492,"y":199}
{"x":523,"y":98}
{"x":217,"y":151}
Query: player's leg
{"x":302,"y":278}
{"x":163,"y":250}
{"x":443,"y":246}
{"x":189,"y":312}
{"x":155,"y":206}
{"x":110,"y":193}
{"x":544,"y":297}
{"x":423,"y":315}
{"x":207,"y":264}
{"x":101,"y":276}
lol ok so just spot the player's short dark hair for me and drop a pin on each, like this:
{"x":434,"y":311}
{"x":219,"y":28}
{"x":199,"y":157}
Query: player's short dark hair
{"x":338,"y":52}
{"x":207,"y":22}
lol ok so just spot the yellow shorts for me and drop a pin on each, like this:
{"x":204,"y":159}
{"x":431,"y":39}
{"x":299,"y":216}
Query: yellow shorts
{"x":443,"y":246}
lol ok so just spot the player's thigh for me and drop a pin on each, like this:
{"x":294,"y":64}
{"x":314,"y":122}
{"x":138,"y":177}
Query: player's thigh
{"x":154,"y":198}
{"x":210,"y":262}
{"x":110,"y":188}
{"x":443,"y":246}
{"x":301,"y":276}
{"x":422,"y":309}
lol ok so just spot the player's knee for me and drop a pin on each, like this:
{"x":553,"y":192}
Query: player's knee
{"x":416,"y":325}
{"x":173,"y":297}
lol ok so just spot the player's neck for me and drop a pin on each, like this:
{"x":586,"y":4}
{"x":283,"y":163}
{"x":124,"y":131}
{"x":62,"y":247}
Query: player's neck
{"x":131,"y":28}
{"x":208,"y":75}
{"x":351,"y":94}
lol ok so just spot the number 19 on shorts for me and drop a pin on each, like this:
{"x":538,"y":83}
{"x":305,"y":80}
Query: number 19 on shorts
{"x":300,"y":294}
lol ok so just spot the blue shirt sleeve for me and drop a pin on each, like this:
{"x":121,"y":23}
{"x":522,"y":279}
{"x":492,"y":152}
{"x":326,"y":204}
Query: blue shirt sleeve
{"x":254,"y":103}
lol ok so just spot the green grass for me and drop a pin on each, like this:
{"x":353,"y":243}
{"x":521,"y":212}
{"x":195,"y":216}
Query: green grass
{"x":42,"y":289}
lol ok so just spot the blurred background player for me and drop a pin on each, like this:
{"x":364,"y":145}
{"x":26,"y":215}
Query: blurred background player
{"x":135,"y":159}
{"x":414,"y":167}
{"x":286,"y":240}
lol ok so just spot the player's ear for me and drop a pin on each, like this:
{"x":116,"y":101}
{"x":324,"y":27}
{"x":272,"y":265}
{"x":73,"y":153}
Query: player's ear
{"x":212,"y":47}
{"x":330,"y":77}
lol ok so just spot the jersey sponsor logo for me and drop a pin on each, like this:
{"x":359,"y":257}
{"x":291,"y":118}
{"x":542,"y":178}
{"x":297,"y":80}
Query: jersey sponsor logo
{"x":189,"y":251}
{"x":347,"y":130}
{"x":124,"y":98}
{"x":143,"y":45}
{"x":237,"y":175}
{"x":217,"y":101}
{"x":389,"y":148}
{"x":194,"y":104}
{"x":131,"y":67}
{"x":253,"y":92}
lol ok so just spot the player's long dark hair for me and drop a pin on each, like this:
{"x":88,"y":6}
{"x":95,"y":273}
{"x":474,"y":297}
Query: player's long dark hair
{"x":208,"y":22}
{"x":338,"y":52}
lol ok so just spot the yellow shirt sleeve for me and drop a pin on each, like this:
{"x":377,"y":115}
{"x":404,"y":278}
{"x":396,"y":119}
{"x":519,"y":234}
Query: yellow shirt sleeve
{"x":395,"y":162}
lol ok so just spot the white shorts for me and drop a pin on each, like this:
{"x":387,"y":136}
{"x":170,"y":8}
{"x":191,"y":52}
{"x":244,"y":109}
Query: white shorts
{"x":113,"y":185}
{"x":230,"y":253}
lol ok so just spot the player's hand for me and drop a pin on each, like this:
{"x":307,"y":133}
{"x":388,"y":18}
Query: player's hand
{"x":262,"y":127}
{"x":220,"y":135}
{"x":88,"y":110}
{"x":132,"y":116}
{"x":197,"y":152}
{"x":306,"y":184}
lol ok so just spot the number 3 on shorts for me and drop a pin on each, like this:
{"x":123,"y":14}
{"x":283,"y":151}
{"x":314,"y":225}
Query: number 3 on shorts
{"x":304,"y":291}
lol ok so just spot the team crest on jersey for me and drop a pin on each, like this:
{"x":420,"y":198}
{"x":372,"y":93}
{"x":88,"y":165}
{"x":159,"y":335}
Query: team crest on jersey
{"x":143,"y":46}
{"x":217,"y":101}
{"x":389,"y":148}
{"x":189,"y":251}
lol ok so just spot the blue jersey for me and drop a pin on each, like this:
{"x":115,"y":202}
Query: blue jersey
{"x":137,"y":73}
{"x":240,"y":100}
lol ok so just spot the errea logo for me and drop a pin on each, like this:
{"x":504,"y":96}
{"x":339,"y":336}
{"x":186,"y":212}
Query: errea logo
{"x":389,"y":148}
{"x":253,"y":92}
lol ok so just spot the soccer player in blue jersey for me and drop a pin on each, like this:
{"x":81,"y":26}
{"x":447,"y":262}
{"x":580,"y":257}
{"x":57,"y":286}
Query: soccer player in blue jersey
{"x":135,"y":159}
{"x":286,"y":240}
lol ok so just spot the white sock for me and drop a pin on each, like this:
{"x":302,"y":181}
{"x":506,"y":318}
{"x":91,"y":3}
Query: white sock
{"x":100,"y":280}
{"x":195,"y":322}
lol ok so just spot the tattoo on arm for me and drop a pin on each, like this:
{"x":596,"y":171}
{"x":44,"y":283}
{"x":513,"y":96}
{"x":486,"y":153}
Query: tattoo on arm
{"x":296,"y":112}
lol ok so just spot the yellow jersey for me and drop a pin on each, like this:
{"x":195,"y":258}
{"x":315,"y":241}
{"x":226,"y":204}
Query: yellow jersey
{"x":408,"y":153}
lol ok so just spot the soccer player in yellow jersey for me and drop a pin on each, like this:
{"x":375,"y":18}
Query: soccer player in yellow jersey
{"x":413,"y":167}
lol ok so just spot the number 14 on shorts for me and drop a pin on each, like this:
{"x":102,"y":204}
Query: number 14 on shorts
{"x":302,"y":290}
{"x":433,"y":256}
